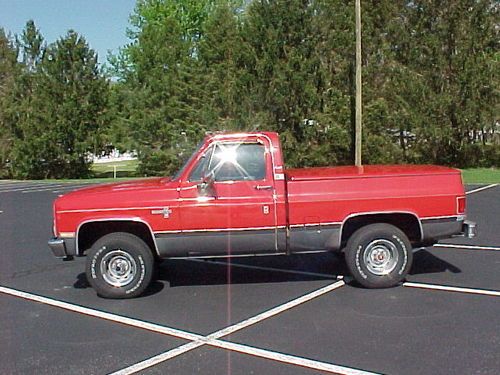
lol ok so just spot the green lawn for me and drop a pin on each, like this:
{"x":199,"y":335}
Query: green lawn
{"x":481,"y":176}
{"x":126,"y":168}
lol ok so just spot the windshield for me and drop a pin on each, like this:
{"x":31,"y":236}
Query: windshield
{"x":187,"y":162}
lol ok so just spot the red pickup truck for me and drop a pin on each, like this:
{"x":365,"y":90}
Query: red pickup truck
{"x":234,"y":197}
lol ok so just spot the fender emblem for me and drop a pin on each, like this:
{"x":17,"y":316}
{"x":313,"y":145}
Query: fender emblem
{"x":165,"y":211}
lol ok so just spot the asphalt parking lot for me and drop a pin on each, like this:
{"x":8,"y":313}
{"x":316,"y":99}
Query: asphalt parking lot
{"x":266,"y":315}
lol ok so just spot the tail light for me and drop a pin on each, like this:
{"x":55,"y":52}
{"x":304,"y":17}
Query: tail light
{"x":461,"y":205}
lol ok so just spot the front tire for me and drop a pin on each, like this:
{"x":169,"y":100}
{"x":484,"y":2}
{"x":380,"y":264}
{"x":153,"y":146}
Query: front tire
{"x":119,"y":265}
{"x":379,"y":255}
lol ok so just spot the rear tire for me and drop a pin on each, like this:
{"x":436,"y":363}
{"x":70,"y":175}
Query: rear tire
{"x":120,"y":265}
{"x":379,"y":255}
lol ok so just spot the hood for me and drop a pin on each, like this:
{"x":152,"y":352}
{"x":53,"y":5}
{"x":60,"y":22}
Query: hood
{"x":119,"y":195}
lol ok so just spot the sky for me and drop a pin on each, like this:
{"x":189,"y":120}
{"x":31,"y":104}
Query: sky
{"x":102,"y":22}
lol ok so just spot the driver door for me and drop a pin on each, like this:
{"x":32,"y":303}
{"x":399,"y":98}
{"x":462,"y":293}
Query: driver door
{"x":227,"y":205}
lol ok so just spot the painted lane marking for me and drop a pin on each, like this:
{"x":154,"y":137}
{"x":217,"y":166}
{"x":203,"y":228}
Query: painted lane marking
{"x":249,"y":350}
{"x":103,"y":315}
{"x":31,"y":187}
{"x":26,"y":185}
{"x":73,"y":187}
{"x":21,"y":186}
{"x":65,"y":191}
{"x":468,"y":247}
{"x":40,"y":185}
{"x":276,"y":310}
{"x":64,"y":186}
{"x":44,"y":189}
{"x":7,"y":184}
{"x":272,"y":269}
{"x":485,"y":292}
{"x":153,"y":361}
{"x":481,"y":189}
{"x":212,"y":339}
{"x":54,"y":187}
{"x":291,"y":359}
{"x":199,"y":340}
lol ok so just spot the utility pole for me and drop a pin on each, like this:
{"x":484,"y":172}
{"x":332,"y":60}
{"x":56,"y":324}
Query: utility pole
{"x":359,"y":118}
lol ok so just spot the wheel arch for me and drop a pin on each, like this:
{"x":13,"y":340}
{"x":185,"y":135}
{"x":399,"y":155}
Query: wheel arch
{"x":408,"y":222}
{"x":89,"y":231}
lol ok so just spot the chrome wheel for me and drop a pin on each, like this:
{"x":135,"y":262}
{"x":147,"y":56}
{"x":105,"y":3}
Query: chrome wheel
{"x":118,"y":268}
{"x":381,"y":257}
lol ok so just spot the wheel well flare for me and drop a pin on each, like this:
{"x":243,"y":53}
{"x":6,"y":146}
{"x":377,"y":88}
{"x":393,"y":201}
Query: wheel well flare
{"x":406,"y":222}
{"x":90,"y":232}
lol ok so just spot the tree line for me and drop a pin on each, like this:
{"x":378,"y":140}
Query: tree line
{"x":430,"y":85}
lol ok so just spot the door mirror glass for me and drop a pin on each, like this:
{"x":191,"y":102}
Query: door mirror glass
{"x":207,"y":188}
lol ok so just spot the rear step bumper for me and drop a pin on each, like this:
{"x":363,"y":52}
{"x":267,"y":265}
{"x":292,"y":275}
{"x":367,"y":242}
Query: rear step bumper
{"x":469,"y":229}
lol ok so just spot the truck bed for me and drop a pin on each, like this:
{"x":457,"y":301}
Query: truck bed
{"x":321,"y":200}
{"x":367,"y":171}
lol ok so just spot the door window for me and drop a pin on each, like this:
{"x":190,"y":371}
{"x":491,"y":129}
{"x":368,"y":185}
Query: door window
{"x":238,"y":162}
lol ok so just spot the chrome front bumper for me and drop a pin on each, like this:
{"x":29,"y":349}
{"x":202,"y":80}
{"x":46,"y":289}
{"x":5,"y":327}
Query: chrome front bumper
{"x":63,"y":248}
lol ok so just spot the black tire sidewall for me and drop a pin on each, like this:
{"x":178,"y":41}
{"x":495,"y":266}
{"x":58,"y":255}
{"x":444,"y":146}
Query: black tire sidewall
{"x":356,"y":247}
{"x":130,"y":244}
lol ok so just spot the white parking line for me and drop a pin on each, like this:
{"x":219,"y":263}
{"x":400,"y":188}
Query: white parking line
{"x":42,"y":186}
{"x":59,"y":188}
{"x":276,"y":310}
{"x":30,"y":187}
{"x":72,"y":187}
{"x":199,"y":340}
{"x":481,"y":189}
{"x":467,"y":247}
{"x":291,"y":359}
{"x":153,"y":361}
{"x":25,"y":191}
{"x":212,"y":338}
{"x":272,"y":269}
{"x":249,"y":350}
{"x":20,"y":186}
{"x":10,"y":183}
{"x":102,"y":315}
{"x":485,"y":292}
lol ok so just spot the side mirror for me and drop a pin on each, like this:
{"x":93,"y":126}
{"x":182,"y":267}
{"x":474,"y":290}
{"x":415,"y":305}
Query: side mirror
{"x":207,"y":188}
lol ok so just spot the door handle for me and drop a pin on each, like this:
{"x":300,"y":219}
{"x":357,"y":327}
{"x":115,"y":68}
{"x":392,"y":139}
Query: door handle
{"x":263,"y":187}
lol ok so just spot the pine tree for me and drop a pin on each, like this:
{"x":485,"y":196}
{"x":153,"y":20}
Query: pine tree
{"x":222,"y":62}
{"x":447,"y":56}
{"x":8,"y":72}
{"x":161,"y":88}
{"x":59,"y":105}
{"x":296,"y":71}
